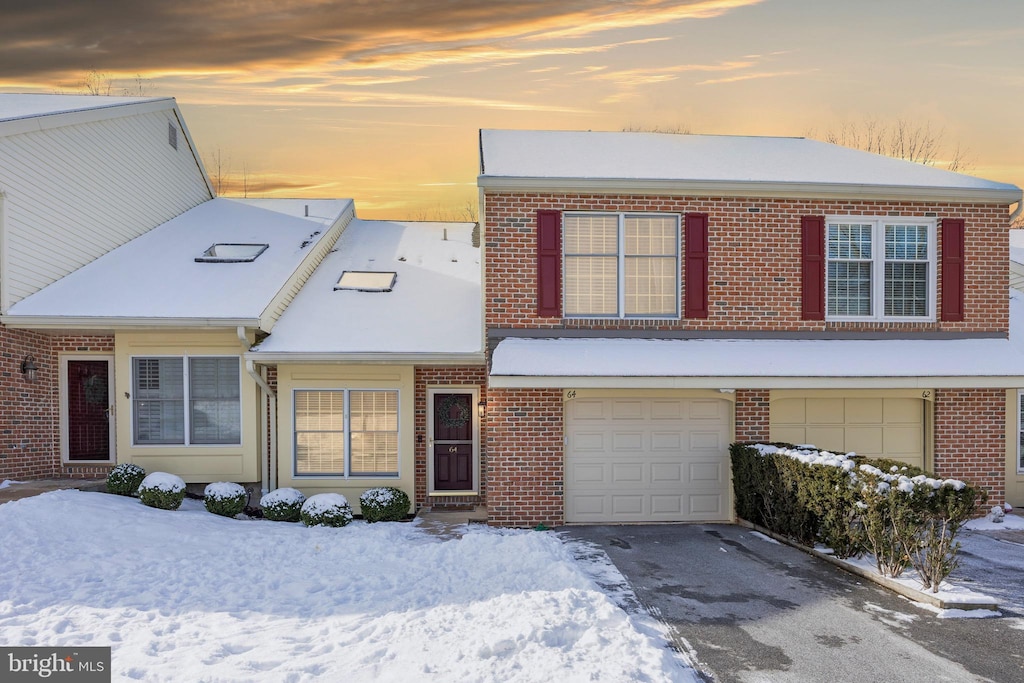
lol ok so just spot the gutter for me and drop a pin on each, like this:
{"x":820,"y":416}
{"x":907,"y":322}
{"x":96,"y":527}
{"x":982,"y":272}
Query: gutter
{"x":268,"y":447}
{"x":732,"y":383}
{"x":397,"y":358}
{"x":739,"y":188}
{"x":57,"y":322}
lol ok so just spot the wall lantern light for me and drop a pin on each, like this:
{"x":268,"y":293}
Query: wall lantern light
{"x":29,"y":368}
{"x":481,"y":407}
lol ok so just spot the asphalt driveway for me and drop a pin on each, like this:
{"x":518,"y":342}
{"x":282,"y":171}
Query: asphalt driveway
{"x":747,"y":608}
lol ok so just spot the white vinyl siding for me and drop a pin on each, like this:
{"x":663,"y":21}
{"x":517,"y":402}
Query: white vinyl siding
{"x":880,"y":269}
{"x":75,"y":192}
{"x":346,"y":433}
{"x":162,"y":387}
{"x":1020,"y":432}
{"x":621,"y":265}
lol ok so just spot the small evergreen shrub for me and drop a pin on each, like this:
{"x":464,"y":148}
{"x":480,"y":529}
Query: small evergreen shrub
{"x":326,"y":509}
{"x":162,"y":490}
{"x":282,"y":505}
{"x":225,"y":498}
{"x":384,"y":504}
{"x":125,"y":478}
{"x":895,"y":511}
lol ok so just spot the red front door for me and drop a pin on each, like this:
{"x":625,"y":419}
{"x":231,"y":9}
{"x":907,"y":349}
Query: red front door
{"x":88,"y":408}
{"x":453,"y":442}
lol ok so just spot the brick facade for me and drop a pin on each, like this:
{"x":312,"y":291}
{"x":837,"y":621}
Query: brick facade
{"x":754,"y":266}
{"x":30,"y":419}
{"x":441,"y":376}
{"x":525,"y":469}
{"x":752,"y":415}
{"x":970,"y":438}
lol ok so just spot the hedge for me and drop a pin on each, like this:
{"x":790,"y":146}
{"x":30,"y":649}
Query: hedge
{"x":854,"y":505}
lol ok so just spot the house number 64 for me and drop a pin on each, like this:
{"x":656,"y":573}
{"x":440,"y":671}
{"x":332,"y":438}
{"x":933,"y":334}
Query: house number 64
{"x":453,"y":449}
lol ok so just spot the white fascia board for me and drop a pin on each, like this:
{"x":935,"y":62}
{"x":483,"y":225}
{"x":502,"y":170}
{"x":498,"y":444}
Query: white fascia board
{"x":28,"y":322}
{"x":29,"y":124}
{"x":720,"y":188}
{"x":476,"y":358}
{"x":589,"y":382}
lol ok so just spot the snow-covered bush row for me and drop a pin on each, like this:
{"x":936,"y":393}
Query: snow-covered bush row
{"x":162,"y":490}
{"x":326,"y":509}
{"x":853,"y":505}
{"x":384,"y":504}
{"x":125,"y":478}
{"x":225,"y":498}
{"x":282,"y":505}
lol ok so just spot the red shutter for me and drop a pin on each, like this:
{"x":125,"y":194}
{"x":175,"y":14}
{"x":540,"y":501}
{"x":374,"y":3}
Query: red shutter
{"x":952,"y":269}
{"x":696,"y":271}
{"x":812,"y":257}
{"x":549,"y":264}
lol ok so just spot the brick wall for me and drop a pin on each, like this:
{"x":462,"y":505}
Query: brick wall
{"x":754,"y":265}
{"x":525,"y":454}
{"x":752,"y":415}
{"x":970,"y":441}
{"x":441,"y":376}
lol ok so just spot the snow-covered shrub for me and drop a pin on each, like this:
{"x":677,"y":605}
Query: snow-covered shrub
{"x":125,"y":478}
{"x":162,"y":490}
{"x":893,"y":510}
{"x":282,"y":505}
{"x":384,"y":504}
{"x":326,"y":509}
{"x":225,"y":498}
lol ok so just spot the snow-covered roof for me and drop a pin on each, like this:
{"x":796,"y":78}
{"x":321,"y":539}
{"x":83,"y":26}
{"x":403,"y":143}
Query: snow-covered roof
{"x":433,"y":309}
{"x":766,"y":363}
{"x":521,"y":159}
{"x":155,"y":279}
{"x":26,"y":105}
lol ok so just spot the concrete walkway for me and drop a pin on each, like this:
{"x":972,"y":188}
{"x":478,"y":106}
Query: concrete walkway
{"x":450,"y":523}
{"x":34,"y":487}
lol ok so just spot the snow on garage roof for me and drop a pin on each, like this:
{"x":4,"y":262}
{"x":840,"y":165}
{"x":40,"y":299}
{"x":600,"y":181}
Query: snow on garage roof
{"x":722,"y":163}
{"x":155,"y":277}
{"x":765,"y":363}
{"x":433,"y":309}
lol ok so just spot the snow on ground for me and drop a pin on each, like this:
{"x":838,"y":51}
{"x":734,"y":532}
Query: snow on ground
{"x":187,"y":595}
{"x":8,"y":482}
{"x":1011,"y":522}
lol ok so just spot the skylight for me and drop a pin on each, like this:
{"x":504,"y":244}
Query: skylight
{"x":366,"y":281}
{"x":232,"y":253}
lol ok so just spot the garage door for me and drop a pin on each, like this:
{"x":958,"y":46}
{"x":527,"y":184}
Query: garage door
{"x":891,"y":427}
{"x":647,"y":460}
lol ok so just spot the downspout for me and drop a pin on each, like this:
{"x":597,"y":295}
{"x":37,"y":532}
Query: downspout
{"x":1016,"y":212}
{"x":266,"y":449}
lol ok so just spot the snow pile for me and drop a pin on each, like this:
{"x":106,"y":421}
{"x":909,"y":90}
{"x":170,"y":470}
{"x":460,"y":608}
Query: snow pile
{"x":259,"y":601}
{"x":283,"y":495}
{"x":163,"y":481}
{"x":223,"y":490}
{"x":9,"y":482}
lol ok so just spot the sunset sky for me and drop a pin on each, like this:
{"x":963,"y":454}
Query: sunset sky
{"x":381,"y":100}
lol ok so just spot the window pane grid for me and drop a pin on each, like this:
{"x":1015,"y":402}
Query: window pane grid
{"x":632,"y":256}
{"x":158,"y":401}
{"x":161,"y":395}
{"x":849,"y":288}
{"x":374,"y":432}
{"x":214,"y":416}
{"x":371,"y":435}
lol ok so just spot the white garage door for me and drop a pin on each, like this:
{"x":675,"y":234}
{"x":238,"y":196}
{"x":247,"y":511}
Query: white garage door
{"x":647,"y":460}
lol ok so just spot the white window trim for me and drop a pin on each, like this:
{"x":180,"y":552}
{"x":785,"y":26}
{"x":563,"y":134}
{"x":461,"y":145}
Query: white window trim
{"x":621,"y":257}
{"x":185,"y":399}
{"x":878,"y":269}
{"x":347,"y":440}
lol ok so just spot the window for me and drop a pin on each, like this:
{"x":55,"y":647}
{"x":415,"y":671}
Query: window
{"x":346,"y":432}
{"x":366,"y":281}
{"x":1020,"y":432}
{"x":621,"y":265}
{"x":880,"y":269}
{"x":208,"y":386}
{"x":232,"y":253}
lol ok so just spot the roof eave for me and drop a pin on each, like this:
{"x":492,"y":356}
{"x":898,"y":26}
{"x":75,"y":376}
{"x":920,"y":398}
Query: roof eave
{"x":27,"y":124}
{"x":731,"y":383}
{"x":43,"y":322}
{"x":731,"y":188}
{"x":384,"y":357}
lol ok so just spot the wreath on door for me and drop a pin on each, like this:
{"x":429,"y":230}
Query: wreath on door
{"x":453,"y":413}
